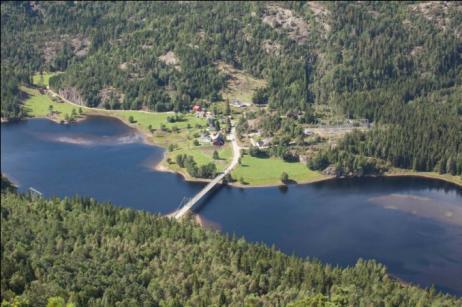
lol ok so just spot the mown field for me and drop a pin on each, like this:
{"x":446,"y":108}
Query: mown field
{"x":267,"y":171}
{"x":42,"y":79}
{"x":38,"y":105}
{"x":202,"y":154}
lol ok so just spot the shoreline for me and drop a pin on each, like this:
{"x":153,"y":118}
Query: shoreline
{"x":161,"y":167}
{"x":423,"y":175}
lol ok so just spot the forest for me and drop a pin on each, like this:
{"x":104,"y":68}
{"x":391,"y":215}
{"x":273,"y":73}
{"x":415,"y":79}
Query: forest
{"x":77,"y":252}
{"x":396,"y":64}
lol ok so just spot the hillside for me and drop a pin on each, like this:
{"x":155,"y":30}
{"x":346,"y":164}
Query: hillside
{"x":398,"y":65}
{"x":92,"y":254}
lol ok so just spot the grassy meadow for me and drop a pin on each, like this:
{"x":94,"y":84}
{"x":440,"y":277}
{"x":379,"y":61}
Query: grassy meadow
{"x":267,"y":171}
{"x":42,"y":79}
{"x":38,"y":105}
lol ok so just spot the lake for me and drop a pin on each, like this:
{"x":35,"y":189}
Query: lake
{"x":412,"y":225}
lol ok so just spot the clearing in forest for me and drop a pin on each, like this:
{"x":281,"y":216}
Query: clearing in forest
{"x":241,"y":85}
{"x":42,"y":79}
{"x":267,"y":171}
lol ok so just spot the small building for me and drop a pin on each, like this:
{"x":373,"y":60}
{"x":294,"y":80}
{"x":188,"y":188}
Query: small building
{"x":262,"y":143}
{"x":217,"y":139}
{"x":196,"y":108}
{"x":307,"y":132}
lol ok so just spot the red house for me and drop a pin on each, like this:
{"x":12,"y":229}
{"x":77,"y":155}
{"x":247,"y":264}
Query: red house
{"x":197,"y":108}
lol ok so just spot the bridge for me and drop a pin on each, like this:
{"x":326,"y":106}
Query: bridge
{"x":195,"y":200}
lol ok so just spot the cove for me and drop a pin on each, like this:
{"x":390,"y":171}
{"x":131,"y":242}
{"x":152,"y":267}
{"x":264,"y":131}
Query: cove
{"x":412,"y":225}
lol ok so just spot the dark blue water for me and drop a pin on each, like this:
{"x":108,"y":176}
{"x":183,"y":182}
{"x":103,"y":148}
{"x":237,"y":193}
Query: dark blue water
{"x":412,"y":225}
{"x":100,"y":157}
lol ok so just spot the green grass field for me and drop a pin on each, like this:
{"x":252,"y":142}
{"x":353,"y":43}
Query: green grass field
{"x":267,"y":171}
{"x":144,"y":119}
{"x":42,"y":80}
{"x":37,"y":105}
{"x":202,"y":155}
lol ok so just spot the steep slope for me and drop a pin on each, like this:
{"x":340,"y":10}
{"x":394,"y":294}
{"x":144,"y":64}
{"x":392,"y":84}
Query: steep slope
{"x":86,"y":253}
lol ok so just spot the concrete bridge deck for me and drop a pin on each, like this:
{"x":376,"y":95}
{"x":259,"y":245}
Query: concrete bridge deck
{"x":195,"y":200}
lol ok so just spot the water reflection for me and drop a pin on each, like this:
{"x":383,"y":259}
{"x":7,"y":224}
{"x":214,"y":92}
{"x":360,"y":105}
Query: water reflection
{"x":410,"y":224}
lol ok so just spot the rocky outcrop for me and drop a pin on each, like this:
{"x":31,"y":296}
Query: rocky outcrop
{"x":72,"y":94}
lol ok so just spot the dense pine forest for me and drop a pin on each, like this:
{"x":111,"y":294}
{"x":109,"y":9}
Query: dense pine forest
{"x":82,"y":253}
{"x":395,"y":64}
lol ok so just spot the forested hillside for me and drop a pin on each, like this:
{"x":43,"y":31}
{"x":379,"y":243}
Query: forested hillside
{"x":396,"y":64}
{"x":85,"y":253}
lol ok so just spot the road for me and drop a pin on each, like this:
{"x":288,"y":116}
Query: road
{"x":53,"y":93}
{"x":193,"y":201}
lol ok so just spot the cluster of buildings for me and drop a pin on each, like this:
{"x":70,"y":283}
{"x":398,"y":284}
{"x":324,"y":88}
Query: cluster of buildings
{"x":200,"y":112}
{"x":214,"y":135}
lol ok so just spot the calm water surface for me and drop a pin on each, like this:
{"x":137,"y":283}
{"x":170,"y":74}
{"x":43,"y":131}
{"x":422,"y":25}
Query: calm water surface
{"x":412,"y":225}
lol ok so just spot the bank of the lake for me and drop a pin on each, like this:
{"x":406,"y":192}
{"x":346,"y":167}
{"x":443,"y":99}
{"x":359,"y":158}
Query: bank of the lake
{"x":255,"y":172}
{"x":252,"y":172}
{"x":457,"y":180}
{"x":409,"y":224}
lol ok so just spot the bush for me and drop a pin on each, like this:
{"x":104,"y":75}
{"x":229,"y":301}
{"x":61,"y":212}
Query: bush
{"x":260,"y":96}
{"x":257,"y":152}
{"x":180,"y":159}
{"x":284,"y":177}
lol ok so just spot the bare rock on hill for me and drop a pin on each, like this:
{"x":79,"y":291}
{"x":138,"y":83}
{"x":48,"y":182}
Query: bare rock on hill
{"x":441,"y":14}
{"x":170,"y":58}
{"x":285,"y":21}
{"x":72,"y":94}
{"x":80,"y":46}
{"x":322,"y":14}
{"x":271,"y":47}
{"x":110,"y":94}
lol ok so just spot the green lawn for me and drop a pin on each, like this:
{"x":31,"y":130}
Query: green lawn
{"x":155,"y":119}
{"x":42,"y":80}
{"x":202,"y":155}
{"x":37,"y":105}
{"x":258,"y":171}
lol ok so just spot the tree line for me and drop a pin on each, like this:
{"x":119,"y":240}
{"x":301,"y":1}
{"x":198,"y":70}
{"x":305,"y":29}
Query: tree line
{"x":80,"y":252}
{"x":383,"y":61}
